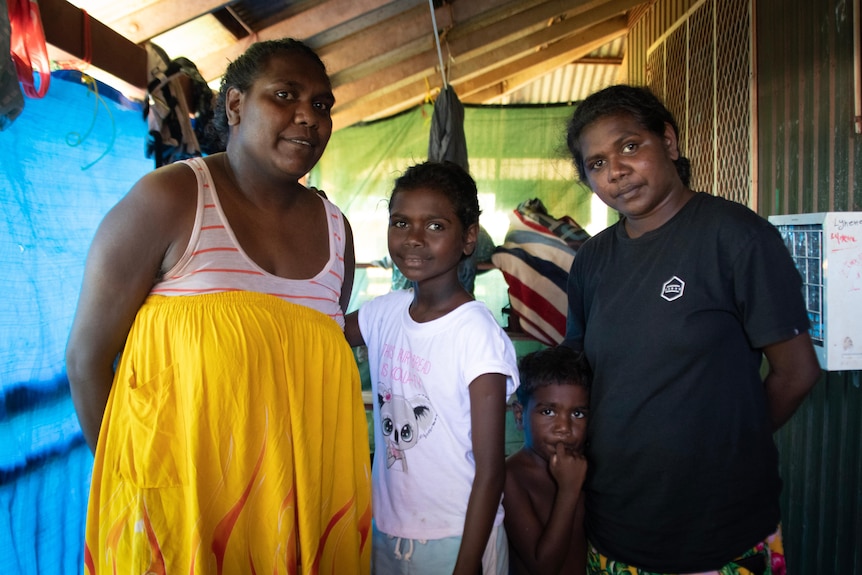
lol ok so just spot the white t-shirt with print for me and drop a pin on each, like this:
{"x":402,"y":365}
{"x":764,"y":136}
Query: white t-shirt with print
{"x":420,"y":375}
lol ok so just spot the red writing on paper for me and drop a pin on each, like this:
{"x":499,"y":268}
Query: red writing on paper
{"x":842,"y":238}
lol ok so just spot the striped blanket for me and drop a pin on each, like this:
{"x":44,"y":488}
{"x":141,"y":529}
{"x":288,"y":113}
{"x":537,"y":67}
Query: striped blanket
{"x":535,"y":259}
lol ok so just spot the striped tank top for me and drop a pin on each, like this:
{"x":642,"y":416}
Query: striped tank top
{"x":215,"y":262}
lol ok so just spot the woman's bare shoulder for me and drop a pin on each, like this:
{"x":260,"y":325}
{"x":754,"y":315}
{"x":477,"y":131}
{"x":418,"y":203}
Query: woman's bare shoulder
{"x":170,"y":183}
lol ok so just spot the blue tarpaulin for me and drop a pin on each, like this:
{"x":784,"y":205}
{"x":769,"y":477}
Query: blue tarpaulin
{"x":65,"y":161}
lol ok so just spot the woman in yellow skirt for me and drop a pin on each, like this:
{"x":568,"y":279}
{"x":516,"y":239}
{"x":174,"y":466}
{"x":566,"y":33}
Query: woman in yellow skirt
{"x":231,"y":437}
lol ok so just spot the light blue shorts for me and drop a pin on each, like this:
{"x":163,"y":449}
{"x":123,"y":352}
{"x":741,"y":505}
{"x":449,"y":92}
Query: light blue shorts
{"x":396,"y":556}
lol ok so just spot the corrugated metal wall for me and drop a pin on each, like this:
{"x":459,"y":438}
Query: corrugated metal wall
{"x":821,"y":464}
{"x":806,"y":159}
{"x":808,"y":153}
{"x":808,"y":149}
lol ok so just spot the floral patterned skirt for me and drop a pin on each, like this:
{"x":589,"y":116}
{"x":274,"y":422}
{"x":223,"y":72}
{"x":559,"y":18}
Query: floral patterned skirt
{"x":765,"y":558}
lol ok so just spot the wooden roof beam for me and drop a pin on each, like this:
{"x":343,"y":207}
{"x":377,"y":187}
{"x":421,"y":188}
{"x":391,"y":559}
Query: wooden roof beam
{"x":465,"y":41}
{"x":512,"y":76}
{"x":396,"y":39}
{"x":150,"y":20}
{"x":63,"y":24}
{"x":411,"y":90}
{"x":504,"y":38}
{"x":316,"y":20}
{"x":486,"y":86}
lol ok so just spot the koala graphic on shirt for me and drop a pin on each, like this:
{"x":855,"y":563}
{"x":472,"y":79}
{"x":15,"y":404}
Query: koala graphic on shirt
{"x":403,"y":423}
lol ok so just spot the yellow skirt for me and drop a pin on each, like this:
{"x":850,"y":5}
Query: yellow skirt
{"x":234,"y":441}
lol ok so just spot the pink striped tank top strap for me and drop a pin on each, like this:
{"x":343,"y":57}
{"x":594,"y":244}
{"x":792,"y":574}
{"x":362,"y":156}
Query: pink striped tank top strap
{"x":215,"y":262}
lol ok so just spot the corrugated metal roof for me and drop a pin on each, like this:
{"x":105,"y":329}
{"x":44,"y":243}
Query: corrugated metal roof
{"x":574,"y":82}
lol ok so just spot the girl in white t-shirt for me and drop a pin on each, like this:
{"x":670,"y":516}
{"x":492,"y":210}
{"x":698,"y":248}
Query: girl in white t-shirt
{"x":441,"y":371}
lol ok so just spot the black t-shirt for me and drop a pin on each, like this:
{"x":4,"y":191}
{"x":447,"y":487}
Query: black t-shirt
{"x":683,"y":468}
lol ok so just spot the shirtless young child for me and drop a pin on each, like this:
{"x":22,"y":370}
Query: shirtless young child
{"x":542,"y":496}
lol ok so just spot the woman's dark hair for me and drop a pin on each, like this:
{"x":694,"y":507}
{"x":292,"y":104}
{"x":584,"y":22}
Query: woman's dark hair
{"x":640,"y":103}
{"x":559,"y":365}
{"x":450,"y":179}
{"x":242,"y":72}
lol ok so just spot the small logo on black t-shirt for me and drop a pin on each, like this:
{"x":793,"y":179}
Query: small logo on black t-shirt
{"x":672,"y":289}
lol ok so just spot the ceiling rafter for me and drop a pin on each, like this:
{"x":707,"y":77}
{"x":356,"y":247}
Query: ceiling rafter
{"x":473,"y":38}
{"x":306,"y":24}
{"x":401,"y":86}
{"x":524,"y":70}
{"x":381,"y":55}
{"x":150,"y":20}
{"x":470,"y":90}
{"x":395,"y":39}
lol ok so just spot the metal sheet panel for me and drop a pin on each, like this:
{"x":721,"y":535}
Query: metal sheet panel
{"x":807,"y":157}
{"x":808,"y":150}
{"x":821,"y":465}
{"x":573,"y":82}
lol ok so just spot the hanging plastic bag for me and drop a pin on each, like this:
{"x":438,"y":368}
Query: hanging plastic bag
{"x":11,"y":97}
{"x":28,"y":47}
